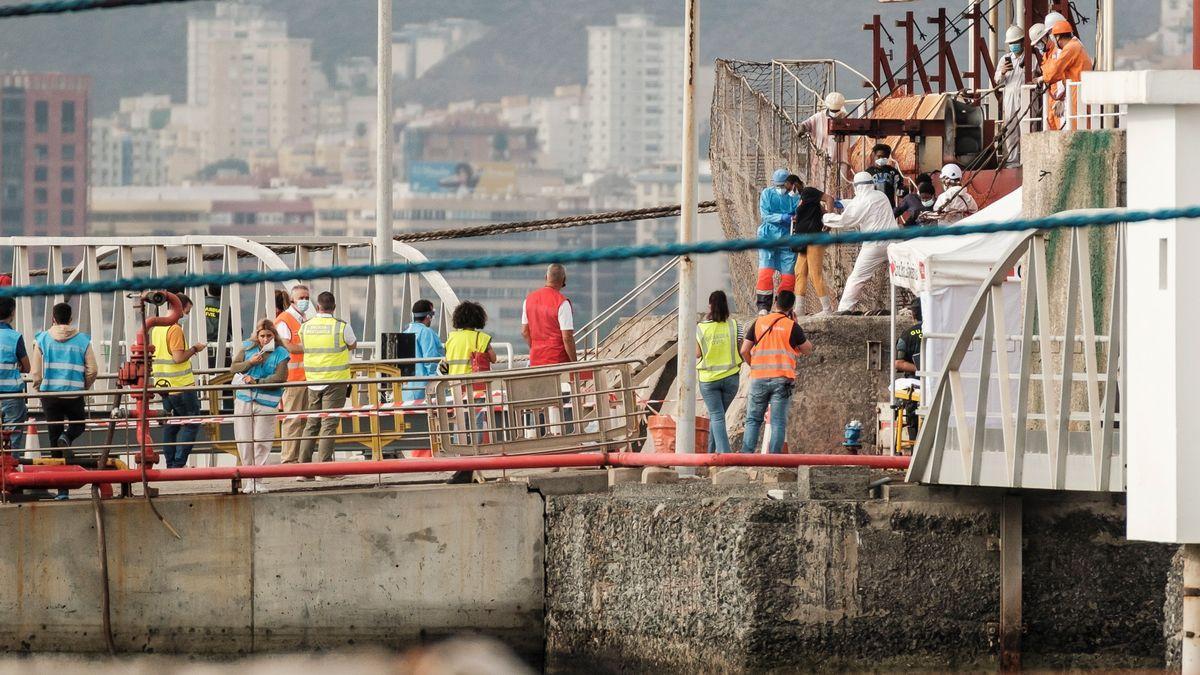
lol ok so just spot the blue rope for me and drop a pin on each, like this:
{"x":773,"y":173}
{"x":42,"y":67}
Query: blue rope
{"x":601,"y":254}
{"x":65,"y":6}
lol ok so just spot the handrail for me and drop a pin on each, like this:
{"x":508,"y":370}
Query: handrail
{"x":594,"y":325}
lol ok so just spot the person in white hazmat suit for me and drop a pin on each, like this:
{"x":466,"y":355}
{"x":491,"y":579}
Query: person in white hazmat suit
{"x":868,"y":211}
{"x":816,"y":127}
{"x":1011,"y":77}
{"x":955,"y":203}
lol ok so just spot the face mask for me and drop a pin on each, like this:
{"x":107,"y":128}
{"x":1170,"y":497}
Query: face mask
{"x":302,"y":306}
{"x":782,"y":190}
{"x":881,"y":162}
{"x":926,"y":202}
{"x":1015,"y":48}
{"x":269,"y":347}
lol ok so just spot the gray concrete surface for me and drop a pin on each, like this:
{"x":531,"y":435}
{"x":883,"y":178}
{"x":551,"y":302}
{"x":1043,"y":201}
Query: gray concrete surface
{"x":675,"y":576}
{"x":283,"y":571}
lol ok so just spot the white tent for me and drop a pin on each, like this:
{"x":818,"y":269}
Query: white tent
{"x":925,"y":265}
{"x":946,"y":272}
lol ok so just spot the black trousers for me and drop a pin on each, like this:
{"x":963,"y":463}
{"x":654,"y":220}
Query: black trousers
{"x":58,"y":410}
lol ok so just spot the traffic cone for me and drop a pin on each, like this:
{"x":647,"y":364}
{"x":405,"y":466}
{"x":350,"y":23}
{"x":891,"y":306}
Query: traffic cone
{"x":33,"y":446}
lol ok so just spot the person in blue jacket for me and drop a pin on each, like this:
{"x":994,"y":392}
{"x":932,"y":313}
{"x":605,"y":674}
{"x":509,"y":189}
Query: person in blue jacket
{"x":776,"y":205}
{"x":429,"y":346}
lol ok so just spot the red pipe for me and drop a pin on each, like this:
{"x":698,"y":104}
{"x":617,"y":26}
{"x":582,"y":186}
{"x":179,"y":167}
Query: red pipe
{"x":434,"y":465}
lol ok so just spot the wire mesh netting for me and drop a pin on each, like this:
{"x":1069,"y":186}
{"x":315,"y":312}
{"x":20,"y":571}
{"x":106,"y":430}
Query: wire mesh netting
{"x":757,"y":111}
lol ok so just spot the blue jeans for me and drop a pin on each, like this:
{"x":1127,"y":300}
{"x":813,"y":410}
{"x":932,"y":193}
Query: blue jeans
{"x":717,"y":397}
{"x":15,"y":411}
{"x":773,"y":391}
{"x":183,"y":404}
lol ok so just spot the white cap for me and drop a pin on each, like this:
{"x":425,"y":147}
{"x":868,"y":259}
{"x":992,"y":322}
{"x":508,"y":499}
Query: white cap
{"x":1036,"y":32}
{"x":834,"y":101}
{"x":951,"y":172}
{"x":863,"y":178}
{"x":1053,"y":18}
{"x":1014,"y":34}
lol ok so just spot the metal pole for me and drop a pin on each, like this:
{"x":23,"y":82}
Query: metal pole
{"x":1109,"y":27}
{"x":1191,"y":608}
{"x":993,"y":40}
{"x":685,"y":426}
{"x":383,"y":175}
{"x":1195,"y":32}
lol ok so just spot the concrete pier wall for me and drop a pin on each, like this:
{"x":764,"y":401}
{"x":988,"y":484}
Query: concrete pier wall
{"x":662,"y":578}
{"x":284,"y":571}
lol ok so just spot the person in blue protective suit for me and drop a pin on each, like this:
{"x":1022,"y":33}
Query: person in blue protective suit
{"x":429,"y":346}
{"x":776,"y":205}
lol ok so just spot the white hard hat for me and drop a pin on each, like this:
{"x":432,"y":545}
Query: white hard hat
{"x":863,"y":178}
{"x":1053,"y":18}
{"x":834,"y":101}
{"x":1036,"y":32}
{"x":952,"y":172}
{"x":1014,"y":34}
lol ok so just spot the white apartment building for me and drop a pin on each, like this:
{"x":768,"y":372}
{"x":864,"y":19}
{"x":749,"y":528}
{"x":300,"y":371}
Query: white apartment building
{"x":561,"y":123}
{"x":635,"y":93}
{"x":417,"y":47}
{"x":251,"y":81}
{"x":123,"y":156}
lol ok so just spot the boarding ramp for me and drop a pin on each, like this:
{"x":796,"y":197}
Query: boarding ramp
{"x":1055,"y":372}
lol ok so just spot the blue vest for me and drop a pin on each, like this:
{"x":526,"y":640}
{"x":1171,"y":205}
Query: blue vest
{"x":10,"y":373}
{"x":63,"y":362}
{"x":267,"y":396}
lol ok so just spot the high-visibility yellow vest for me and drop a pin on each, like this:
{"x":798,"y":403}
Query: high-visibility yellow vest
{"x":164,"y":368}
{"x":460,"y":344}
{"x":719,"y":357}
{"x":326,"y":356}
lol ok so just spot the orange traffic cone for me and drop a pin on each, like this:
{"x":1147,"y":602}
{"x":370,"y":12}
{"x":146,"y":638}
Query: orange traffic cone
{"x":32,"y":444}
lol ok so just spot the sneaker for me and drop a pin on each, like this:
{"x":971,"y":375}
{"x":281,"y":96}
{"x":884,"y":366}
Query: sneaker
{"x":247,"y":488}
{"x":304,"y":479}
{"x":62,"y":496}
{"x":259,"y":488}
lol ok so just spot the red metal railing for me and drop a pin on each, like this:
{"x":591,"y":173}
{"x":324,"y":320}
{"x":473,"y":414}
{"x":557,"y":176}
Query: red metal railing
{"x":79,"y":478}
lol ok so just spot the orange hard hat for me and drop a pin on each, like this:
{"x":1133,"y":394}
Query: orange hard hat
{"x":1062,"y":28}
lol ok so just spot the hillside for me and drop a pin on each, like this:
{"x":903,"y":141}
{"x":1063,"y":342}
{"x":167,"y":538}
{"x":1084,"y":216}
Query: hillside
{"x":534,"y":45}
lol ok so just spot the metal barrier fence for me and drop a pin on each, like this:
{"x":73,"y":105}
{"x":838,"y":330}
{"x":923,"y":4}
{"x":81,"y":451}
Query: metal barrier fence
{"x":599,"y":407}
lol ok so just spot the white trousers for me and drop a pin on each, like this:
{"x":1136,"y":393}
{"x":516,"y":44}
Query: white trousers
{"x":871,"y":258}
{"x":256,"y":433}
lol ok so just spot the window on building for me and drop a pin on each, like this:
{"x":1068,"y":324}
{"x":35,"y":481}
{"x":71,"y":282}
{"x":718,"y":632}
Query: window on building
{"x":41,"y":116}
{"x":39,"y":217}
{"x":68,"y":218}
{"x":68,"y":151}
{"x":68,"y":196}
{"x":41,"y":151}
{"x":40,"y":196}
{"x":41,"y":174}
{"x":68,"y":117}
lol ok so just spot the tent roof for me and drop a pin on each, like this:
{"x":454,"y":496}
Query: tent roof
{"x":922,"y":265}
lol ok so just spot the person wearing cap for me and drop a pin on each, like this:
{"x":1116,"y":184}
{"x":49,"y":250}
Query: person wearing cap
{"x":816,"y":127}
{"x":868,"y":211}
{"x":955,"y":203}
{"x":428,"y":346}
{"x":775,"y":206}
{"x":1066,"y":66}
{"x":1011,"y":77}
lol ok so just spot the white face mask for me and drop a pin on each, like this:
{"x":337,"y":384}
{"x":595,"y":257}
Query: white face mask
{"x":782,"y":190}
{"x":881,"y":162}
{"x":926,"y":202}
{"x":269,"y":347}
{"x":302,"y":306}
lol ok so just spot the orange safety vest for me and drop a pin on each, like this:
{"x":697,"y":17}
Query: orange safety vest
{"x":295,"y":361}
{"x":773,"y":354}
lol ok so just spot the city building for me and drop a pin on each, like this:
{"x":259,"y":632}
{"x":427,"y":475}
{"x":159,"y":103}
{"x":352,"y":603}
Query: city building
{"x":635,"y":94}
{"x":44,"y":124}
{"x":561,"y":123}
{"x":417,"y":47}
{"x":251,"y":82}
